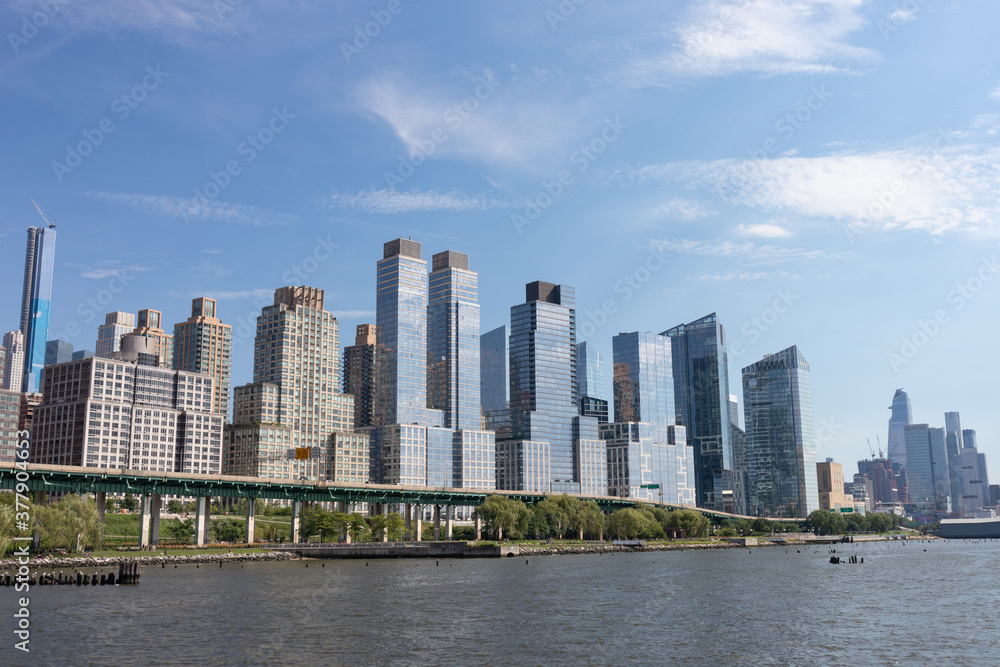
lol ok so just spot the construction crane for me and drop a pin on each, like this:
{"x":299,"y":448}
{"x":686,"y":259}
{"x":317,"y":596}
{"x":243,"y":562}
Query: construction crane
{"x":52,"y":225}
{"x":879,"y":448}
{"x":870,"y":448}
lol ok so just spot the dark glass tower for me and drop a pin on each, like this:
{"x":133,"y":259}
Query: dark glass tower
{"x":701,"y":397}
{"x":781,"y":443}
{"x":643,"y":381}
{"x":590,"y":382}
{"x":36,"y":299}
{"x":493,"y":369}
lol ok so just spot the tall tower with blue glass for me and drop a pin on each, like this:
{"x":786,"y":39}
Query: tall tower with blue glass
{"x":590,"y":382}
{"x":453,"y":341}
{"x":36,"y":298}
{"x":781,"y":440}
{"x":899,"y":419}
{"x":701,"y":397}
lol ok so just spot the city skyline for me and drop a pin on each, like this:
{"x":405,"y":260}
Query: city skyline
{"x":676,"y":173}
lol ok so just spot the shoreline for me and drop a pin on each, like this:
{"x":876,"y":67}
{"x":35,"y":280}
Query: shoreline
{"x":109,"y":561}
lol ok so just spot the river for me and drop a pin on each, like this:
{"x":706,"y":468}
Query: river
{"x":908,"y":603}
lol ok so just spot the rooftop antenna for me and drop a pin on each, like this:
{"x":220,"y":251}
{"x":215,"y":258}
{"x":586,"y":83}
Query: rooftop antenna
{"x":52,"y":225}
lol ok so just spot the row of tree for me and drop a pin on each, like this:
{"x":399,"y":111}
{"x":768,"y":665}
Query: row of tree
{"x":826,"y":522}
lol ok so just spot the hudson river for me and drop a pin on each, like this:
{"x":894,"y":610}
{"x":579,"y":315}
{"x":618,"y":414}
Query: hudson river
{"x":916,"y":603}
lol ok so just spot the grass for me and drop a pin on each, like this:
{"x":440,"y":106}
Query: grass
{"x":104,"y":553}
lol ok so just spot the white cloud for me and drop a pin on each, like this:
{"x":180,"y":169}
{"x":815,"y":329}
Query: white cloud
{"x":99,"y":272}
{"x":995,"y":93}
{"x":901,"y":15}
{"x":387,"y":201}
{"x":745,"y":276}
{"x":685,"y":209}
{"x":764,"y":231}
{"x":722,"y":37}
{"x":746,"y":251}
{"x":936,"y":188}
{"x":189,"y":210}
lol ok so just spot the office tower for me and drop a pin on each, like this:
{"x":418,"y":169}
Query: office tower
{"x":360,"y":362}
{"x":294,"y":400}
{"x":203,"y":344}
{"x":701,"y":396}
{"x":590,"y":382}
{"x":109,"y":334}
{"x":734,"y":410}
{"x":643,"y":381}
{"x":830,"y":483}
{"x":58,"y":352}
{"x":401,"y":317}
{"x":13,"y":375}
{"x":453,"y":373}
{"x":150,"y":325}
{"x":36,"y":297}
{"x":927,"y":470}
{"x":781,"y":444}
{"x":902,"y":415}
{"x":551,"y":447}
{"x":493,"y":369}
{"x":82,"y":354}
{"x":953,"y":424}
{"x":123,"y":413}
{"x":969,"y":438}
{"x":973,"y":482}
{"x":10,"y":409}
{"x":883,"y":480}
{"x":645,"y":469}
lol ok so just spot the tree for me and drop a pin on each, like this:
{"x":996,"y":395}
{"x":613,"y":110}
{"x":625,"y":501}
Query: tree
{"x":856,"y":523}
{"x":129,"y":503}
{"x":268,"y":532}
{"x":394,"y":525}
{"x":181,"y":531}
{"x":694,"y":524}
{"x":826,"y":522}
{"x":315,"y":520}
{"x":727,"y":531}
{"x":356,"y":526}
{"x":742,"y":527}
{"x":174,"y":506}
{"x":378,"y":525}
{"x":556,"y":515}
{"x":228,"y":530}
{"x":589,"y":520}
{"x":73,"y":523}
{"x":504,"y":516}
{"x":761,"y":525}
{"x":538,"y":525}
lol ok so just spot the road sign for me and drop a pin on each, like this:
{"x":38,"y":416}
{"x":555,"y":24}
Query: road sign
{"x":302,"y":452}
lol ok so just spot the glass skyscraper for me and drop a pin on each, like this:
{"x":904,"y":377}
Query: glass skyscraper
{"x":453,"y":341}
{"x":643,"y":381}
{"x":928,"y":475}
{"x":781,"y":443}
{"x":701,"y":397}
{"x":493,"y":369}
{"x":590,"y":382}
{"x":901,"y":416}
{"x":36,"y":299}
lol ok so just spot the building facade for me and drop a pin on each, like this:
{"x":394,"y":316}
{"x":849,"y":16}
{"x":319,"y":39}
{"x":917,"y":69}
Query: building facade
{"x":109,"y":334}
{"x":493,"y":364}
{"x":590,"y":383}
{"x":830,"y":482}
{"x":360,"y":376}
{"x":13,"y":374}
{"x":203,"y":344}
{"x":150,"y":325}
{"x":10,"y":409}
{"x":781,"y":443}
{"x":36,"y":299}
{"x":927,"y":472}
{"x":900,"y":418}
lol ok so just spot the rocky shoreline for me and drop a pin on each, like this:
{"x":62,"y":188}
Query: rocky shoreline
{"x":610,"y":548}
{"x":109,"y":561}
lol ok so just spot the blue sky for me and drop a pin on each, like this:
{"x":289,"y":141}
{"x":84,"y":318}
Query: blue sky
{"x":820,"y":173}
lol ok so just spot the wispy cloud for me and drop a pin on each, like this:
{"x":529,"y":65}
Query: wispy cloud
{"x":747,"y":251}
{"x":900,"y":15}
{"x":765,"y":231}
{"x":387,"y":201}
{"x":745,"y":276}
{"x":109,"y":270}
{"x":723,"y":37}
{"x":186,"y":209}
{"x":995,"y":93}
{"x":684,"y":209}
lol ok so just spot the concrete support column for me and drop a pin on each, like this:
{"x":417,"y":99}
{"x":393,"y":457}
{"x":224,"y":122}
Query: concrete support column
{"x":448,"y":511}
{"x":477,"y":524}
{"x":296,"y":508}
{"x":202,"y":521}
{"x":437,"y":523}
{"x":251,"y":518}
{"x":408,"y":522}
{"x":102,"y":504}
{"x":155,"y":507}
{"x":144,"y":515}
{"x":418,"y":518}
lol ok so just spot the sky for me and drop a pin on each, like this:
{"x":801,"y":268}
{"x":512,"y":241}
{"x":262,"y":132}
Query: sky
{"x":820,"y":173}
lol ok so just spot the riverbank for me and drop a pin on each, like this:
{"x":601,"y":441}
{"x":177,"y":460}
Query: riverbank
{"x":109,"y":561}
{"x":615,"y":548}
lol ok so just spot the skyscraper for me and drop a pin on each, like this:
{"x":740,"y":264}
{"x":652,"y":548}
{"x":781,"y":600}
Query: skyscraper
{"x":360,"y":362}
{"x":781,"y":443}
{"x":57,"y":352}
{"x":552,"y":448}
{"x":701,"y":396}
{"x":109,"y":334}
{"x":151,"y":326}
{"x":13,"y":376}
{"x":453,"y":341}
{"x":493,"y":369}
{"x":902,"y":415}
{"x":590,"y":382}
{"x":203,"y":344}
{"x":36,"y":298}
{"x":643,"y":381}
{"x":927,"y":472}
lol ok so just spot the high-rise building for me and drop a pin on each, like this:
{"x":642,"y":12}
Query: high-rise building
{"x":453,"y":373}
{"x":82,"y":354}
{"x":58,"y":352}
{"x":927,"y":471}
{"x":294,"y":400}
{"x":493,"y":369}
{"x":643,"y":381}
{"x":883,"y":479}
{"x":830,"y":482}
{"x":203,"y":344}
{"x":781,"y":442}
{"x":150,"y":325}
{"x":590,"y":382}
{"x":973,"y":488}
{"x":36,"y":298}
{"x":13,"y":375}
{"x":544,"y":406}
{"x":360,"y":362}
{"x":10,"y":409}
{"x":122,"y":413}
{"x":109,"y":334}
{"x":902,"y":416}
{"x":701,"y":397}
{"x":953,"y":424}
